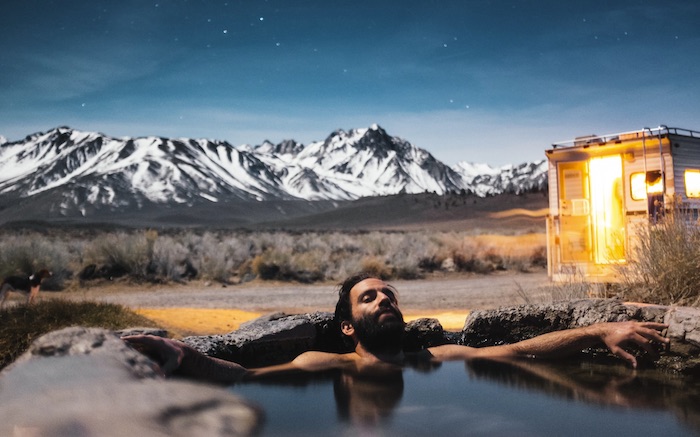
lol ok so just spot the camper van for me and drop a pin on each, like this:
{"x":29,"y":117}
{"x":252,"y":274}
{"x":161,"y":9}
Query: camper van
{"x":603,"y":188}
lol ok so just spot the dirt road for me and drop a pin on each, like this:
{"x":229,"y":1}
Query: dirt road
{"x":198,"y":308}
{"x":460,"y":293}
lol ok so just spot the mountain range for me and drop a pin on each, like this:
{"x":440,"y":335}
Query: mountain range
{"x":65,"y":172}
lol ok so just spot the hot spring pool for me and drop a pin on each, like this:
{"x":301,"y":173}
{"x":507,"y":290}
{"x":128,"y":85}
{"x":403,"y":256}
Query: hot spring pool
{"x":482,"y":399}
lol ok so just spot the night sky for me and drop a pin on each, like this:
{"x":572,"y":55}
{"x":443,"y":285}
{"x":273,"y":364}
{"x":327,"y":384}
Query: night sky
{"x":483,"y":81}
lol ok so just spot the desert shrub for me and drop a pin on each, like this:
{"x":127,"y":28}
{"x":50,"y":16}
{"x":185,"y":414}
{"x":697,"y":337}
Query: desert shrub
{"x":538,"y":258}
{"x":211,"y":257}
{"x":376,"y":267}
{"x":170,"y":259}
{"x":665,"y":266}
{"x":470,"y":263}
{"x":309,"y":266}
{"x":271,"y":264}
{"x":21,"y":324}
{"x":431,"y":263}
{"x":232,"y":255}
{"x":495,"y":259}
{"x":122,"y":253}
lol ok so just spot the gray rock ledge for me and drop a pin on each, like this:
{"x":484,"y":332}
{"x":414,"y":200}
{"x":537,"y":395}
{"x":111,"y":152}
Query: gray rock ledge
{"x":279,"y":337}
{"x":88,"y":382}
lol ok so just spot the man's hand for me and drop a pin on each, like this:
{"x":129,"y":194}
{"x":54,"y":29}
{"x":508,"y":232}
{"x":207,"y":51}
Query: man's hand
{"x":617,"y":335}
{"x":166,"y":352}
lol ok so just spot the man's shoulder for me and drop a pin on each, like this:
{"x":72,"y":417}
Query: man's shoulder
{"x":318,"y":360}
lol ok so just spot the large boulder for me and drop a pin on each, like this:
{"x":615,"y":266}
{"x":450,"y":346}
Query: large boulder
{"x":512,"y":324}
{"x":684,"y":332}
{"x":88,"y":382}
{"x":424,"y":333}
{"x":272,"y":339}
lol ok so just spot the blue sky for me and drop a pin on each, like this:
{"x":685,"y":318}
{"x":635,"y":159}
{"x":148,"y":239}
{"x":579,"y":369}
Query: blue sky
{"x":482,"y":81}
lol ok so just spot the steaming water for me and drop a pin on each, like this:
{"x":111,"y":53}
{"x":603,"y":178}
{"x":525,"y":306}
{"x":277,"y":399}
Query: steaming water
{"x":486,"y":399}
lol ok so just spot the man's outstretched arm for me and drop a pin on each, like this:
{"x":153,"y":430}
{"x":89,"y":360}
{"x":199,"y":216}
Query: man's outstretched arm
{"x":615,"y":336}
{"x":177,"y":358}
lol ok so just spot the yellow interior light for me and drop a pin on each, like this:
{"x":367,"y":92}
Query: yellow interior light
{"x":607,"y":214}
{"x":640,"y":185}
{"x":692,"y":183}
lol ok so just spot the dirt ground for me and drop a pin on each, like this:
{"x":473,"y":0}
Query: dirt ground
{"x":200,"y":308}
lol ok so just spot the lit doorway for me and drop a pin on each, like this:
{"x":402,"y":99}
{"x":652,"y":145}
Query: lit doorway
{"x":607,"y":215}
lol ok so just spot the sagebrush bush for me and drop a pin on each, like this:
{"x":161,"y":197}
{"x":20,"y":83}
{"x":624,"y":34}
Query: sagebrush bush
{"x":146,"y":255}
{"x":212,"y":258}
{"x":169,"y":258}
{"x":127,"y":253}
{"x":376,"y":266}
{"x":665,"y":264}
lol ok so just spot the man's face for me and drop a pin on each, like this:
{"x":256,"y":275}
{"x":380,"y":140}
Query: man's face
{"x":376,"y":317}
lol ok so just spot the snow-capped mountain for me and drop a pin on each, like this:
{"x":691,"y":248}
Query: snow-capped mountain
{"x":485,"y":180}
{"x":86,"y":170}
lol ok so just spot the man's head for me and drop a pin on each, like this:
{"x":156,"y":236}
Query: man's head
{"x":368,"y":312}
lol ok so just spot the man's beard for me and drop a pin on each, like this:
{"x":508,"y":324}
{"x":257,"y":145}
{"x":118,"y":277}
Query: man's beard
{"x":380,"y":337}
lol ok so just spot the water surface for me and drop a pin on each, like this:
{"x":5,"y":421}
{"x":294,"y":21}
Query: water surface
{"x":482,"y":399}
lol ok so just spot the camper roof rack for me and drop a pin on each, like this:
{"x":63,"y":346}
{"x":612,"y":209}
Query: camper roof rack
{"x":646,"y":132}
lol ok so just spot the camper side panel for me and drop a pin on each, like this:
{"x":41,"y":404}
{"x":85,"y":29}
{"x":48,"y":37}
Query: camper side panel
{"x":686,"y":158}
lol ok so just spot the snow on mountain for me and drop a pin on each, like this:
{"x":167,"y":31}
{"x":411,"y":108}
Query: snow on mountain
{"x":93,"y":171}
{"x":470,"y":170}
{"x":485,"y":180}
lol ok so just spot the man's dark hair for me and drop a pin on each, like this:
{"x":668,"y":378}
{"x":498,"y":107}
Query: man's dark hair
{"x":343,"y":309}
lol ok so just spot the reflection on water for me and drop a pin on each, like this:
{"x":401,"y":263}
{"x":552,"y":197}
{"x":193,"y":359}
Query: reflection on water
{"x":369,"y":398}
{"x":525,"y":398}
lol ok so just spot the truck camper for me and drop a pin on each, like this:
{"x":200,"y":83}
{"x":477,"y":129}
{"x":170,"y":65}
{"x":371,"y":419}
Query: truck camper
{"x":603,"y":188}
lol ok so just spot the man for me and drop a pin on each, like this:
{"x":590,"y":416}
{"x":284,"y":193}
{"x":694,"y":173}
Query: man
{"x":369,"y":316}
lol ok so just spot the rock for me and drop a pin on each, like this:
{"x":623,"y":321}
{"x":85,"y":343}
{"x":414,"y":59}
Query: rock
{"x":87,"y":382}
{"x":272,"y":339}
{"x":512,"y":324}
{"x":423,"y":333}
{"x":88,"y":341}
{"x":684,"y":331}
{"x":684,"y":324}
{"x":448,"y":265}
{"x":142,"y":331}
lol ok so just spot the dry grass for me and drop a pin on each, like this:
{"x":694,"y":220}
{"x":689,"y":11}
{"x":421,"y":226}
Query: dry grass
{"x":665,"y":267}
{"x":21,"y":324}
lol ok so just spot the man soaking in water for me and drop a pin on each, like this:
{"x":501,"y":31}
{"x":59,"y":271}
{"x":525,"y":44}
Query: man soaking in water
{"x":369,"y":315}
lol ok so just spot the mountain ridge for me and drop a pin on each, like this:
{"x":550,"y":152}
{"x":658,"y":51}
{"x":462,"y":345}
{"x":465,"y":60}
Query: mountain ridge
{"x":74,"y":173}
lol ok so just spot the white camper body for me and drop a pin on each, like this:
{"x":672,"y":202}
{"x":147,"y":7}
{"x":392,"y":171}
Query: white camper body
{"x":603,"y":188}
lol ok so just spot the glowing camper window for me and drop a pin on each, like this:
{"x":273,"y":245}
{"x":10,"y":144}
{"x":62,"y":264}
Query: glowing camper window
{"x":692,"y":183}
{"x":641,"y":185}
